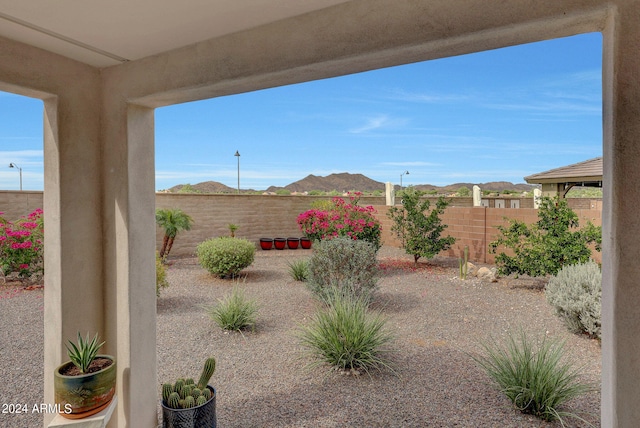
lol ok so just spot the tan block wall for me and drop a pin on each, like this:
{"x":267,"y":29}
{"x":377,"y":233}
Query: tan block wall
{"x":261,"y":216}
{"x":17,"y":204}
{"x":257,"y":216}
{"x":476,"y":227}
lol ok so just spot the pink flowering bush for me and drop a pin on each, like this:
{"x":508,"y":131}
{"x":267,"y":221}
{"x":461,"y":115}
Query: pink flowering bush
{"x":21,"y":245}
{"x":342,"y":219}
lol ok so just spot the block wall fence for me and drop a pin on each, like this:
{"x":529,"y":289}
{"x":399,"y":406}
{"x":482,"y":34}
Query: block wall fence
{"x":260,"y":216}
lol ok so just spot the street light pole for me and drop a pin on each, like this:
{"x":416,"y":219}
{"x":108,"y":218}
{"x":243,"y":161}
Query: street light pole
{"x":13,"y":165}
{"x":238,"y":156}
{"x":407,"y":173}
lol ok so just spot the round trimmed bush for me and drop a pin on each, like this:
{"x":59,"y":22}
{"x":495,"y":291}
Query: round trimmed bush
{"x":225,"y":256}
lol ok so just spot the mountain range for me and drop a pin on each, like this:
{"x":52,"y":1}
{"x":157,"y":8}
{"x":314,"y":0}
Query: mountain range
{"x":343,"y":182}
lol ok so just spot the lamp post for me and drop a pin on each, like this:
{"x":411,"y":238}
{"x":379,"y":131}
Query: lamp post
{"x":13,"y":165}
{"x":404,"y":173}
{"x":238,"y":156}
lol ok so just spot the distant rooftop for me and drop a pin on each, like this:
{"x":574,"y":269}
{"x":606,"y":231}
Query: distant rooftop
{"x":584,"y":173}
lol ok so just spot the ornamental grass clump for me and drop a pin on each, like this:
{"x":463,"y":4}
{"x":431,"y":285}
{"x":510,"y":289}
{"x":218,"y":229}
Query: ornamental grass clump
{"x":299,"y":269}
{"x":225,"y":256}
{"x":537,"y":380}
{"x":347,"y":336}
{"x":345,"y":265}
{"x":576,"y":294}
{"x":234,"y":312}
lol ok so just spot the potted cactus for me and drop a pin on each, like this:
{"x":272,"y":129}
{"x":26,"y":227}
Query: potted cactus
{"x":85,"y":385}
{"x":186,"y":404}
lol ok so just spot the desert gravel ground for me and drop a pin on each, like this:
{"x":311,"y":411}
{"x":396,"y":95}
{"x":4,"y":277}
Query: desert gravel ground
{"x":262,"y":378}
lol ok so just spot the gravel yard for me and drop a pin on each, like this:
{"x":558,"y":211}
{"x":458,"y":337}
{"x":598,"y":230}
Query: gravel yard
{"x":261,"y":376}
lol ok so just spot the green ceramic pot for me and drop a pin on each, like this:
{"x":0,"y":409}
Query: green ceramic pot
{"x":84,"y":395}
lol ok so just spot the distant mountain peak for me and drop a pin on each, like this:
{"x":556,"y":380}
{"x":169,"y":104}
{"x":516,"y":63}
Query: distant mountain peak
{"x":344,"y":182}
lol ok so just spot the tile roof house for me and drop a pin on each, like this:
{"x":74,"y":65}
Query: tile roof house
{"x":559,"y":181}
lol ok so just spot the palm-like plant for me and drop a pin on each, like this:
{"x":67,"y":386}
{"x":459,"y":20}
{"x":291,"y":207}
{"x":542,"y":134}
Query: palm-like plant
{"x":172,"y":220}
{"x":84,"y":353}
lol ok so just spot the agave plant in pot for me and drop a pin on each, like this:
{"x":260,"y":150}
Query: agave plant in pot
{"x":186,"y":404}
{"x":85,"y":385}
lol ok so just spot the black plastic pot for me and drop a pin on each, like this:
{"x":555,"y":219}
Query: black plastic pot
{"x":203,"y":416}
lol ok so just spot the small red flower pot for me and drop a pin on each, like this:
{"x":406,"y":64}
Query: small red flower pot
{"x":266,"y":243}
{"x":280,"y":243}
{"x":292,"y":243}
{"x":305,"y":243}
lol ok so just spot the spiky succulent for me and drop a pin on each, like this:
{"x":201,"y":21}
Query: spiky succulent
{"x":82,"y":354}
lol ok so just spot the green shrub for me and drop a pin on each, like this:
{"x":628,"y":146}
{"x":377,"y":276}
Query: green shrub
{"x":234,"y":312}
{"x":537,"y":381}
{"x":419,"y":232}
{"x":576,"y":294}
{"x":347,"y":336}
{"x":299,"y":269}
{"x":225,"y":256}
{"x":161,"y":275}
{"x":554,"y":241}
{"x":345,"y":265}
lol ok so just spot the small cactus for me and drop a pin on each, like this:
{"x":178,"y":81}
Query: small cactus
{"x":186,"y":391}
{"x":178,"y":386}
{"x":173,"y":401}
{"x":185,"y":394}
{"x":201,"y":400}
{"x":189,"y":402}
{"x":167,"y":389}
{"x":207,"y":372}
{"x":206,"y":393}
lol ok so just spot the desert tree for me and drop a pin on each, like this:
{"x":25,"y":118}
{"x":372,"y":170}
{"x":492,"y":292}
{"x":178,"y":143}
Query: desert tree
{"x":419,"y":228}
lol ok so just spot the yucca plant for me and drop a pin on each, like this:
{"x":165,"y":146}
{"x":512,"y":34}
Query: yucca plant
{"x":234,"y":312}
{"x":84,"y":353}
{"x":347,"y":335}
{"x":537,"y":380}
{"x":299,"y":269}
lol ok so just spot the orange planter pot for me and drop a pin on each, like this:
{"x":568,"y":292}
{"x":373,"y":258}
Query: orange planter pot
{"x":82,"y":396}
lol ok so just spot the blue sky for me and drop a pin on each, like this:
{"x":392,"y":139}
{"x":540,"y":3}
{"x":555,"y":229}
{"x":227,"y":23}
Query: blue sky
{"x":492,"y":116}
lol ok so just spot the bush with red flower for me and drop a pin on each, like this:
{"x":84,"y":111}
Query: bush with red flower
{"x":342,"y":218}
{"x":21,"y":245}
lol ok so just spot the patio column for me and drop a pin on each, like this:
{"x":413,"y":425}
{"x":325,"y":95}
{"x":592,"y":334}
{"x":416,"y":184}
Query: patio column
{"x":129,"y":245}
{"x":73,"y":300}
{"x":621,"y":220}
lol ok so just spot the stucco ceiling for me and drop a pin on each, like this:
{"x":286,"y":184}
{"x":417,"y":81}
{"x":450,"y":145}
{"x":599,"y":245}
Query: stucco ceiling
{"x":103,"y":33}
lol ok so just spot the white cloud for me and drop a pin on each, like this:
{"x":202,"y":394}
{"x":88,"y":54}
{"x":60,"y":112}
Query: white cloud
{"x":378,"y":122}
